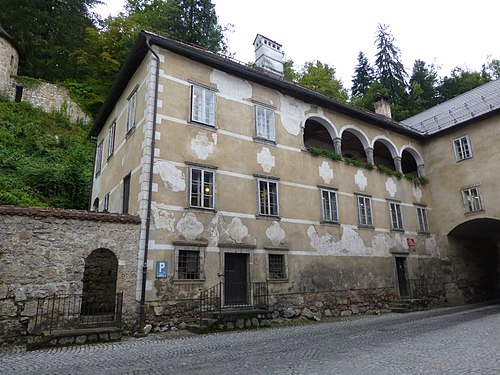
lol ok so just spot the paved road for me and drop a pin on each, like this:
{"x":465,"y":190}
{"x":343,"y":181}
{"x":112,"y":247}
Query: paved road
{"x":446,"y":341}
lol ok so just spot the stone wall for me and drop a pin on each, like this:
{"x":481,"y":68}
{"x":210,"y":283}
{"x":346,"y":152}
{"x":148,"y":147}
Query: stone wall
{"x":43,"y":251}
{"x":9,"y":61}
{"x":49,"y":97}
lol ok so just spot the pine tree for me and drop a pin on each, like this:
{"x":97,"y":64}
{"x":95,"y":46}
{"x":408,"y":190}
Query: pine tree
{"x":363,"y":76}
{"x":423,"y":87}
{"x":390,"y":71}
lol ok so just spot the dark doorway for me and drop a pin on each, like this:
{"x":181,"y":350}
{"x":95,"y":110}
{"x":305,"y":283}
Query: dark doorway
{"x":235,"y":280}
{"x":99,"y":283}
{"x":401,"y":272}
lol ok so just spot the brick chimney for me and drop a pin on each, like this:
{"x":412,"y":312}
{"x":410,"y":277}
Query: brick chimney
{"x":268,"y":55}
{"x":382,"y":105}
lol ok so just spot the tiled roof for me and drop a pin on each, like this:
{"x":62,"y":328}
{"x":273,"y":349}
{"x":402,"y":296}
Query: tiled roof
{"x":69,"y":214}
{"x":465,"y":107}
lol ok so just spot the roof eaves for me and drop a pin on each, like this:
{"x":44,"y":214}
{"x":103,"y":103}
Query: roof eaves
{"x":228,"y":65}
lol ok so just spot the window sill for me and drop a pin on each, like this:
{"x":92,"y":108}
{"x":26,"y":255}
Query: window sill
{"x":470,"y":213}
{"x":330,"y":223}
{"x":367,"y":227}
{"x":188,"y":281}
{"x":130,"y":132}
{"x":264,"y":141}
{"x":97,"y":175}
{"x":201,"y":209}
{"x":267,"y":217}
{"x":202,"y":125}
{"x":397,"y":230}
{"x":278,"y":280}
{"x":464,"y":159}
{"x":110,"y":157}
{"x":423,"y":233}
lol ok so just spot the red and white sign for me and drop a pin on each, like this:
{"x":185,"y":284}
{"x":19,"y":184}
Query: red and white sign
{"x":410,"y":241}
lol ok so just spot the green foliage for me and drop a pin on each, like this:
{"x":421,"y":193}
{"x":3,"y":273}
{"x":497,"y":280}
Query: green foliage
{"x":45,"y":159}
{"x":460,"y":81}
{"x":320,"y":77}
{"x":317,"y":151}
{"x":363,"y":76}
{"x":29,"y":82}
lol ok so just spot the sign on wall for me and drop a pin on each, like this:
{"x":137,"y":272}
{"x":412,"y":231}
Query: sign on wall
{"x":161,"y":269}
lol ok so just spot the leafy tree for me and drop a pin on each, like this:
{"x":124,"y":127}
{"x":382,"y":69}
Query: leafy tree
{"x":50,"y":32}
{"x":321,"y":78}
{"x":460,"y":81}
{"x":389,"y":68}
{"x":492,"y":68}
{"x":363,"y":76}
{"x":289,"y":72}
{"x":423,"y":87}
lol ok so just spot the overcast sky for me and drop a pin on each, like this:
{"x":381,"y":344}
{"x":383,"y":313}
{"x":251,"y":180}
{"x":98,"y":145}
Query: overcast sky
{"x":444,"y":32}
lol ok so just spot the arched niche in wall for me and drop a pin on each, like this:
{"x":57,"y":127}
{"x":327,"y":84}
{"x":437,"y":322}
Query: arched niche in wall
{"x":384,"y":153}
{"x":354,"y":144}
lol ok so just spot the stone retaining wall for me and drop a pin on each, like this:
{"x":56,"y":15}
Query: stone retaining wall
{"x":43,"y":251}
{"x":49,"y":97}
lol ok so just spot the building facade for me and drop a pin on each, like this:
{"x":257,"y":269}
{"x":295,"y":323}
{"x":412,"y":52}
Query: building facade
{"x":241,"y":177}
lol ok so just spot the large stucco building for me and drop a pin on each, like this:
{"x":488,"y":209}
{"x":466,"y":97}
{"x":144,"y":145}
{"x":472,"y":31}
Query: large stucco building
{"x":220,"y":160}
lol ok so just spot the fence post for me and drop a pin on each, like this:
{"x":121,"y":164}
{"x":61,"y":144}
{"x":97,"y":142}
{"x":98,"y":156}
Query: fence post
{"x":220,"y":297}
{"x":201,"y":306}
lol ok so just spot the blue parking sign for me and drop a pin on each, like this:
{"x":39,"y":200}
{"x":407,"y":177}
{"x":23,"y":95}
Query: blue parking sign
{"x":161,"y":269}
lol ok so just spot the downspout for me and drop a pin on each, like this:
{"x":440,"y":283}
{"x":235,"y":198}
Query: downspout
{"x":142,"y":315}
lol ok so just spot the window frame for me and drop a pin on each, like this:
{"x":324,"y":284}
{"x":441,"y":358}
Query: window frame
{"x":111,"y":139}
{"x":396,"y":216}
{"x":283,"y":271}
{"x":267,"y":205}
{"x":462,"y":145}
{"x":200,"y":261}
{"x":367,"y":215}
{"x":201,"y":196}
{"x":98,"y":158}
{"x":126,"y":194}
{"x":106,"y":203}
{"x":200,"y":117}
{"x":468,"y":204}
{"x":335,"y":218}
{"x":265,"y":130}
{"x":132,"y":111}
{"x":422,"y":220}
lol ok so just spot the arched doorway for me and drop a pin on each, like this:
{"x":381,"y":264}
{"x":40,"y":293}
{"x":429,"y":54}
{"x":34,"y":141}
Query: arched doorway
{"x":99,"y":283}
{"x":474,"y":252}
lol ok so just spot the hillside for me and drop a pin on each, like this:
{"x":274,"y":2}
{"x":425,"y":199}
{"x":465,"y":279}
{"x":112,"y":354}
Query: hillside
{"x":45,"y":159}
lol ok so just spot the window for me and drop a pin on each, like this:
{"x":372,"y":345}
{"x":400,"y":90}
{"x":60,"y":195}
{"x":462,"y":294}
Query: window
{"x":111,"y":139}
{"x":202,"y":192}
{"x":264,"y":123}
{"x":364,"y":211}
{"x":396,"y":217}
{"x":471,"y":199}
{"x":268,"y":197}
{"x":423,"y":226}
{"x":189,"y":263}
{"x":132,"y":106}
{"x":277,"y":267}
{"x":126,"y":194}
{"x":202,"y":105}
{"x":98,"y":159}
{"x":106,"y":203}
{"x":463,"y":149}
{"x":329,"y":205}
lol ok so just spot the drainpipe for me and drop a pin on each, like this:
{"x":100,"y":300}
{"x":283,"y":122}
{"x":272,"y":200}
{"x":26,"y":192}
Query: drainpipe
{"x":142,"y":315}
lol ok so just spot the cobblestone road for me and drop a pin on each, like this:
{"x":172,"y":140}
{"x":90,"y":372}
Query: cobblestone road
{"x":446,"y":341}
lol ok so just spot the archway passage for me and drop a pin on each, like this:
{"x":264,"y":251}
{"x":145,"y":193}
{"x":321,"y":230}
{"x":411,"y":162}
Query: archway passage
{"x":382,"y":155}
{"x":408,"y":163}
{"x":316,"y":135}
{"x":475,"y":250}
{"x":99,"y":283}
{"x":352,"y":146}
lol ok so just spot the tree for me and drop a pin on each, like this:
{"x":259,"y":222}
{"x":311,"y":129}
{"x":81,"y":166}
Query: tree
{"x":363,"y":76}
{"x":321,"y":78}
{"x":50,"y":33}
{"x":423,"y":87}
{"x":289,"y":72}
{"x":460,"y":81}
{"x":195,"y":21}
{"x":389,"y":69}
